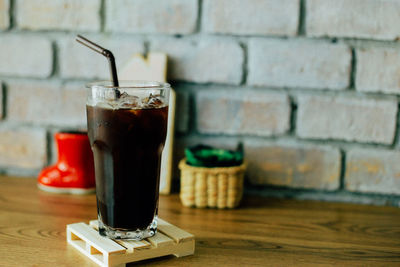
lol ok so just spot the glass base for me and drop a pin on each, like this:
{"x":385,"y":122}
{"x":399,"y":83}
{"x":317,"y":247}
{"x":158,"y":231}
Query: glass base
{"x":117,"y":233}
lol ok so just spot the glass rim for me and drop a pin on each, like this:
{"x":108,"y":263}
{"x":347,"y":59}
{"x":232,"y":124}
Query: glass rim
{"x":130,"y":84}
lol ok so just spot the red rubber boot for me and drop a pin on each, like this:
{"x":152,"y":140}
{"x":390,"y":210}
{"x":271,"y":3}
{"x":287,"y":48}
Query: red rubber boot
{"x":74,"y":171}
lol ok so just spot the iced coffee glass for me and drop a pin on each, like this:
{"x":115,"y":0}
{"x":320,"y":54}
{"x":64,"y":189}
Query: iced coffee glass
{"x":127,"y":126}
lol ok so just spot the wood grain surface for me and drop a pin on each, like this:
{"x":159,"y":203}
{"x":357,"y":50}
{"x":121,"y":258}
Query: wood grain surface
{"x":261,"y":232}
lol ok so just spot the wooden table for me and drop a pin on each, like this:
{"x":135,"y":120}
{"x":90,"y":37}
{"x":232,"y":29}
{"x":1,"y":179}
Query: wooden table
{"x":262,"y":232}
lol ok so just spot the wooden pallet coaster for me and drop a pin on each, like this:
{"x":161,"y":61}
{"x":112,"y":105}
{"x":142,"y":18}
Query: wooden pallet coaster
{"x":169,"y":240}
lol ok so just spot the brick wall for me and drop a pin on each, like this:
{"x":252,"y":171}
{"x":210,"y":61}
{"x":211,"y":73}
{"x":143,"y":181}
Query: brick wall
{"x":311,"y":87}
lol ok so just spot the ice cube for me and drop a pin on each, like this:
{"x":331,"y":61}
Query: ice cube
{"x":128,"y":101}
{"x":152,"y":101}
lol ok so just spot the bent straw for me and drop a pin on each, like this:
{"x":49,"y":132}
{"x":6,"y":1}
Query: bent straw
{"x":104,"y":52}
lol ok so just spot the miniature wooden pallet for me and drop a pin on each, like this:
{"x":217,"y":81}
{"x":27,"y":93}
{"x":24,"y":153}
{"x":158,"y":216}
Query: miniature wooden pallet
{"x":169,"y":240}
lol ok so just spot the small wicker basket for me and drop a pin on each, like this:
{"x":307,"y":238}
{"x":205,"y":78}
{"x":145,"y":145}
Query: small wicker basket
{"x":220,"y":187}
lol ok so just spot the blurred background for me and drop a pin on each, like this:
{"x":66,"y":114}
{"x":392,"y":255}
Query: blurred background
{"x":311,"y":87}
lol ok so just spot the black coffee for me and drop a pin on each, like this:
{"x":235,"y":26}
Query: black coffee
{"x":127,"y":146}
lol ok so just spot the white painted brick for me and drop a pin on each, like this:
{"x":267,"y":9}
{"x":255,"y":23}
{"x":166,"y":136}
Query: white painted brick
{"x":375,"y":19}
{"x":151,"y":16}
{"x":78,"y":61}
{"x":47,"y":103}
{"x":378,"y":70}
{"x":292,"y":165}
{"x":347,"y":118}
{"x":4,"y":14}
{"x":22,"y":148}
{"x":206,"y":61}
{"x":373,"y":171}
{"x":25,"y":56}
{"x":304,"y":64}
{"x":251,"y":17}
{"x":73,"y":15}
{"x":247,"y":112}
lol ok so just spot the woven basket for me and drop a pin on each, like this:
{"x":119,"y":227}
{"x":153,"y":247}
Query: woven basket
{"x":211,"y":187}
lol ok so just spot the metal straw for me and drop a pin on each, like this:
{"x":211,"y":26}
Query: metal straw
{"x":105,"y":52}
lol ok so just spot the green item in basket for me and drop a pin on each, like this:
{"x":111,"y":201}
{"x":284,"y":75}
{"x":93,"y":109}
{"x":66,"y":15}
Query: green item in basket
{"x":207,"y":156}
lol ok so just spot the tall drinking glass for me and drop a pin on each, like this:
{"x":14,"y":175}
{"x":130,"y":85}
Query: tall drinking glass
{"x":127,"y":127}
